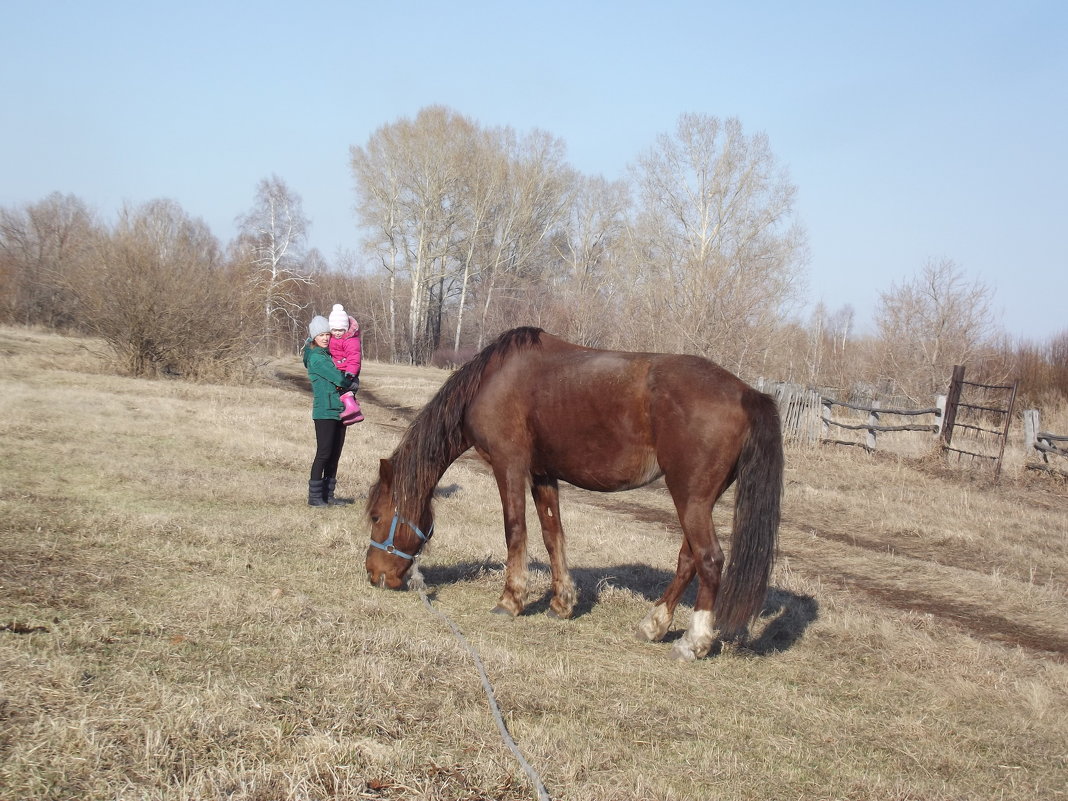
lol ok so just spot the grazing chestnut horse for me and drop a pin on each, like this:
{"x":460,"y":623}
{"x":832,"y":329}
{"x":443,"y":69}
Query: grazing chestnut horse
{"x":541,"y":410}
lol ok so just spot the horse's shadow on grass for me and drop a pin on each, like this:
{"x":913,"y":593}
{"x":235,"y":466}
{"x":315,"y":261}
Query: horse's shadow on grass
{"x":781,"y":623}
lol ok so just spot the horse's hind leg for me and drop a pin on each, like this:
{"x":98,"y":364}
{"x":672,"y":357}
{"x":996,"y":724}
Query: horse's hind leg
{"x":658,"y":621}
{"x":695,"y":514}
{"x":546,"y":493}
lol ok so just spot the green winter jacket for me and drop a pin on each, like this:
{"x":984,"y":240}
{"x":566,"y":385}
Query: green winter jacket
{"x":325,"y":380}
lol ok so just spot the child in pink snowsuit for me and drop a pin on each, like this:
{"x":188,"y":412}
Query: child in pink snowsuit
{"x":345,"y":351}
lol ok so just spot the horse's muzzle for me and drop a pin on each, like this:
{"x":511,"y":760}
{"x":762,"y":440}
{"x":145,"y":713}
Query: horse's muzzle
{"x":384,"y":582}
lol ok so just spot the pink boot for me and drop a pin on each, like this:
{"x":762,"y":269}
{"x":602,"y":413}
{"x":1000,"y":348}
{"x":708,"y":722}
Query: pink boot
{"x":351,"y":413}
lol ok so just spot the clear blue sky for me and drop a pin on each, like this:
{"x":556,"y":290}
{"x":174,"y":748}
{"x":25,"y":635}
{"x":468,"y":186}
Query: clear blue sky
{"x":913,"y":130}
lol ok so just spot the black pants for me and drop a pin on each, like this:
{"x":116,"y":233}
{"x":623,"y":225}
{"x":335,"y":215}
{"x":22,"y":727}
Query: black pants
{"x":329,"y":440}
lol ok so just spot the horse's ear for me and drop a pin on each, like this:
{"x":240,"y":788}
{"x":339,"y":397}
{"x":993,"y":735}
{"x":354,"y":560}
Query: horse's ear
{"x":385,"y":471}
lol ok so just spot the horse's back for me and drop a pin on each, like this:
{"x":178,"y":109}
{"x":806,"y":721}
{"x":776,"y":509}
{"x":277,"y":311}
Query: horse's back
{"x":606,"y":420}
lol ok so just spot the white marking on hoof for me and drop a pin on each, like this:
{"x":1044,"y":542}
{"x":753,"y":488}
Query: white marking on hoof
{"x":655,"y":624}
{"x":700,"y":635}
{"x":683,"y":650}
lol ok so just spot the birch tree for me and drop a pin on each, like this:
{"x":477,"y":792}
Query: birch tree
{"x":485,"y":181}
{"x":587,"y":251}
{"x":715,"y":239}
{"x":274,"y":235}
{"x":828,"y":335}
{"x":533,"y":204}
{"x":377,"y":176}
{"x":409,"y":179}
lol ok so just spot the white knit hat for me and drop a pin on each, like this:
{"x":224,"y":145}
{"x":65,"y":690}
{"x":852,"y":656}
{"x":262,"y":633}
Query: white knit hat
{"x":318,"y":325}
{"x":339,"y":318}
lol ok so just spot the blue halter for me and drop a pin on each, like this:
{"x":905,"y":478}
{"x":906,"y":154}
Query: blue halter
{"x":388,"y":545}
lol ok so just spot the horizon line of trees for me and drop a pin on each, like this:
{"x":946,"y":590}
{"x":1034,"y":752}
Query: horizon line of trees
{"x":468,"y":231}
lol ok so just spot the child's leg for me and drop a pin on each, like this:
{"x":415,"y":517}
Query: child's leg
{"x":351,"y":413}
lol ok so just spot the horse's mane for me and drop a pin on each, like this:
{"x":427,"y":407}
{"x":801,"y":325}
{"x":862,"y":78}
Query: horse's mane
{"x":435,"y":438}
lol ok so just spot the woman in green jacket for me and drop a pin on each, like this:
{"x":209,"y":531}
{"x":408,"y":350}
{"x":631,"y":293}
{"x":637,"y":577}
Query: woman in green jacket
{"x":326,"y":382}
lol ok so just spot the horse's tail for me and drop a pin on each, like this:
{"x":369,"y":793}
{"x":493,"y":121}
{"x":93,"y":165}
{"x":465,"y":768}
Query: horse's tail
{"x":757,"y":500}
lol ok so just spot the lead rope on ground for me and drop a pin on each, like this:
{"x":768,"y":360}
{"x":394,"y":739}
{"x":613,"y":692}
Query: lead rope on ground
{"x":535,"y":779}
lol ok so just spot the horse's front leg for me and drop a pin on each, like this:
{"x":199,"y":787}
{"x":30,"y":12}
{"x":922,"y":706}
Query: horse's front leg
{"x":512,"y":486}
{"x":658,"y":621}
{"x":546,"y":494}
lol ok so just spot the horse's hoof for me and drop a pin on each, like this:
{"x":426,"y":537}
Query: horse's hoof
{"x":683,"y":654}
{"x":500,"y":610}
{"x":647,"y":632}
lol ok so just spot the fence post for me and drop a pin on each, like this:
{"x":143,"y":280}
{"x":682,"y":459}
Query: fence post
{"x":956,"y":383}
{"x":940,"y":417}
{"x":873,"y":420}
{"x":1032,"y":425}
{"x":1005,"y":428}
{"x":825,"y":427}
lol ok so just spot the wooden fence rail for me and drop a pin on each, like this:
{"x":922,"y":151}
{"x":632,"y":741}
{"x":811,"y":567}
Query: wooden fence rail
{"x":1043,"y":444}
{"x":874,"y":425}
{"x":807,"y":419}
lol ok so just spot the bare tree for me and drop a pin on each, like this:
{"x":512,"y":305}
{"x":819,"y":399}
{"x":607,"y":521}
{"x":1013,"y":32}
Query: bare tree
{"x":452,"y":211}
{"x":717,"y":252}
{"x":534,"y":203}
{"x":273,"y":236}
{"x":929,"y":324}
{"x":485,"y":180}
{"x":408,"y":179}
{"x":828,"y":339}
{"x":39,"y":246}
{"x":463,"y":219}
{"x":378,"y":187}
{"x":584,"y":290}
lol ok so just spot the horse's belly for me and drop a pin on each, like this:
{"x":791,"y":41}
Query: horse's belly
{"x":602,"y":470}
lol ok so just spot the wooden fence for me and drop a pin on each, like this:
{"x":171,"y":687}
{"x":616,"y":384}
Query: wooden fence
{"x":1043,"y":445}
{"x":798,"y":410}
{"x":875,"y":424}
{"x":978,"y":414}
{"x":807,"y":416}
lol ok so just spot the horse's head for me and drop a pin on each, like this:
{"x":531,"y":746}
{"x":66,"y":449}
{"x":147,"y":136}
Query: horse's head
{"x":395,"y":539}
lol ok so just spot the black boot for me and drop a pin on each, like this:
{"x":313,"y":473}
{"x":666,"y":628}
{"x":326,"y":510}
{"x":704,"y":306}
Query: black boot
{"x":315,"y":493}
{"x":328,"y":493}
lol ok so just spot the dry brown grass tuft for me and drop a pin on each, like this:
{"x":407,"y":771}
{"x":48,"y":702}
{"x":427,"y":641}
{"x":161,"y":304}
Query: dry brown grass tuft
{"x":175,"y":623}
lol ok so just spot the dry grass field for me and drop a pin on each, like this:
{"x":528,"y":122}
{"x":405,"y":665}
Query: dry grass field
{"x":176,"y":623}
